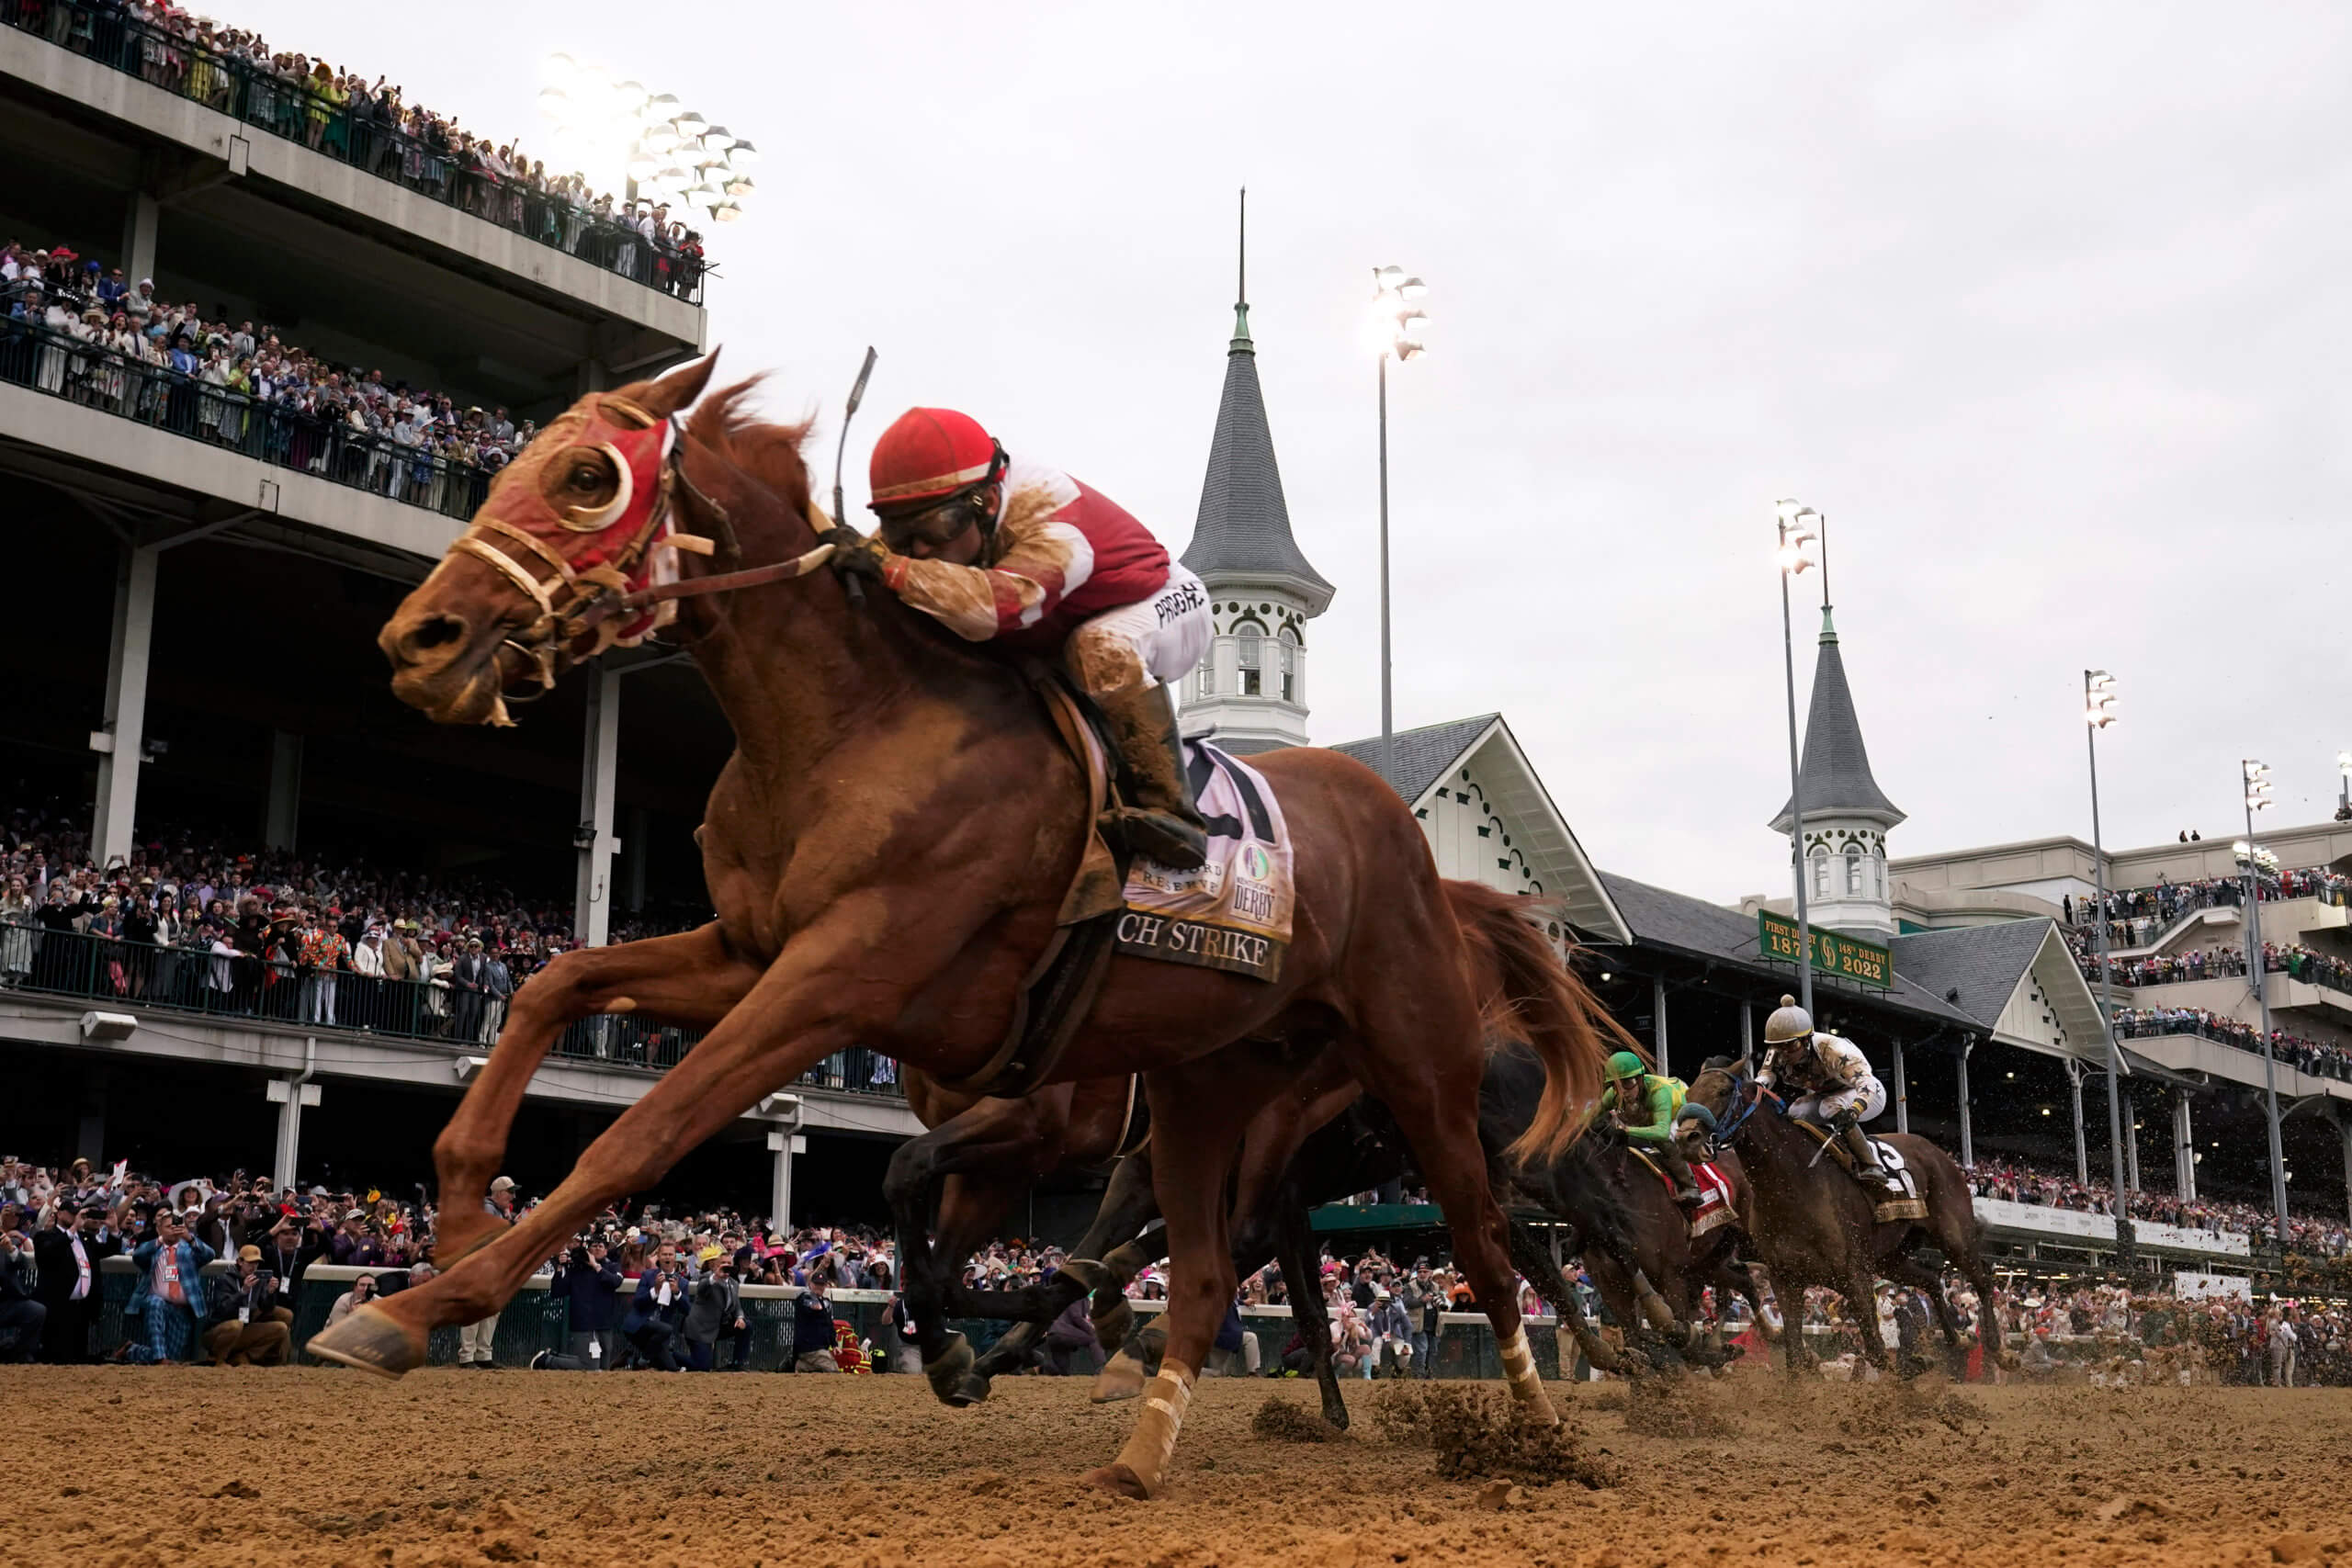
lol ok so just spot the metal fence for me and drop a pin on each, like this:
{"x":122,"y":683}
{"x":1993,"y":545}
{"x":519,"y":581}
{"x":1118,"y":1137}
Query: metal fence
{"x":327,"y":124}
{"x":140,"y":976}
{"x":95,"y":377}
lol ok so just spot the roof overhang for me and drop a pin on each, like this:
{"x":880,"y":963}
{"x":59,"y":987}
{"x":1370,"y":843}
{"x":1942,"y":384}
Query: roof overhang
{"x":2050,"y":1010}
{"x":1551,"y":850}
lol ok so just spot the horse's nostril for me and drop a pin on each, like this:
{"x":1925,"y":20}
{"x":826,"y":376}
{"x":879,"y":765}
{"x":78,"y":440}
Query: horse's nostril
{"x":435,"y":631}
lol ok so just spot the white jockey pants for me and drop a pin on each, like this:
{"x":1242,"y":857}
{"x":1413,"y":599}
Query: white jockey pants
{"x":1152,"y":642}
{"x":1866,"y":1099}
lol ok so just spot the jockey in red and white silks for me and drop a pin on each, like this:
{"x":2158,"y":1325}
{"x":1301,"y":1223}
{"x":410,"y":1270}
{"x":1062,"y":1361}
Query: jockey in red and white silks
{"x":1015,"y":551}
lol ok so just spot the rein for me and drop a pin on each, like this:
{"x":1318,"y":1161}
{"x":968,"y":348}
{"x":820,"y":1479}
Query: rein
{"x":598,"y":600}
{"x":1751,"y":1098}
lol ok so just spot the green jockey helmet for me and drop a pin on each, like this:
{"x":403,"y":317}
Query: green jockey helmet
{"x":1626,"y":1065}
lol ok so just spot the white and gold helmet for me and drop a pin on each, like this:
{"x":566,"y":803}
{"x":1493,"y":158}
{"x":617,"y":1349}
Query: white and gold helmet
{"x":1788,"y":1023}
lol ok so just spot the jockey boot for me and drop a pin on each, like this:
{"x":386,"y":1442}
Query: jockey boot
{"x":1677,"y":1170}
{"x":1865,"y":1159}
{"x":1160,"y":824}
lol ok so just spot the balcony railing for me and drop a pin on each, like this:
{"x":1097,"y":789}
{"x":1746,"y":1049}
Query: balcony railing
{"x":262,"y":99}
{"x":140,"y":976}
{"x":85,"y":372}
{"x":2307,"y":1055}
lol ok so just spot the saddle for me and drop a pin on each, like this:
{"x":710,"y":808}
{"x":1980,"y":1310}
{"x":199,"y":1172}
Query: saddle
{"x":1715,"y":1210}
{"x":1907,"y":1204}
{"x":1232,"y":914}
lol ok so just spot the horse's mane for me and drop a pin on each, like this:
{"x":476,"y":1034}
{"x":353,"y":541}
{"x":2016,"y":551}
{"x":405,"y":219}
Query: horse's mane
{"x":762,"y":448}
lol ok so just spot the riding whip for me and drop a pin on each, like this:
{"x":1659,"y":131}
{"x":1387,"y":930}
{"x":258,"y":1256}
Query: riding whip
{"x":855,"y":589}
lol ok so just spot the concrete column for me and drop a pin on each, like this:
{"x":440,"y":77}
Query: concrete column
{"x":139,"y":225}
{"x":641,"y":838}
{"x":2184,"y":1149}
{"x":599,"y":761}
{"x":2344,"y":1132}
{"x":2131,"y":1140}
{"x":1902,"y":1093}
{"x":1658,"y":1025}
{"x":290,"y":1097}
{"x":117,"y":745}
{"x":282,"y":813}
{"x":1746,"y":1030}
{"x":1967,"y":1135}
{"x":90,"y":1129}
{"x":782,"y":1144}
{"x":2082,"y":1149}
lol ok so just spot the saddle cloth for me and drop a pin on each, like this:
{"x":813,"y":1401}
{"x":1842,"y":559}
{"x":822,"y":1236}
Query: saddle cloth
{"x":1715,"y":1210}
{"x":1910,"y":1205}
{"x":1233,"y":913}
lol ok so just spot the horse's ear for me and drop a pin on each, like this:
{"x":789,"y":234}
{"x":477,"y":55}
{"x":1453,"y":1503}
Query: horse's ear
{"x":679,"y":388}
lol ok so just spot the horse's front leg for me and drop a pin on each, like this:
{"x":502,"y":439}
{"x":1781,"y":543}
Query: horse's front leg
{"x":822,"y":994}
{"x":691,"y":980}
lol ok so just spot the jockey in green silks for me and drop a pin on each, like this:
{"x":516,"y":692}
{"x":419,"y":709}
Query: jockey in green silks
{"x":1644,"y":1106}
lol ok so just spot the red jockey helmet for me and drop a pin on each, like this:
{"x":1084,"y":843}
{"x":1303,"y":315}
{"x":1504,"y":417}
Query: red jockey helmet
{"x":929,"y":454}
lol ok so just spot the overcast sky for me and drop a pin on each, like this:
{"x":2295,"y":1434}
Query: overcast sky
{"x":2044,"y":306}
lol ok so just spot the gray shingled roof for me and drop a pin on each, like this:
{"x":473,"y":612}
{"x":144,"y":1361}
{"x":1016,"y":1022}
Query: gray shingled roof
{"x":1837,"y":774}
{"x":1984,"y":964}
{"x":1422,"y":755}
{"x":1243,"y":527}
{"x":1663,"y":919}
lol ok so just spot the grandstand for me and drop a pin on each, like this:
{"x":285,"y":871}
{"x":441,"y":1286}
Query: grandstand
{"x":201,"y":571}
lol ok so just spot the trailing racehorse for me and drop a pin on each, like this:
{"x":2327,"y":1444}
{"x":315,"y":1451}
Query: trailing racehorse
{"x":888,"y":852}
{"x":1814,"y":1224}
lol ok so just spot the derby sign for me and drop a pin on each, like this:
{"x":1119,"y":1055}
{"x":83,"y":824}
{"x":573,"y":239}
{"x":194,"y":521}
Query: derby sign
{"x":1865,"y":962}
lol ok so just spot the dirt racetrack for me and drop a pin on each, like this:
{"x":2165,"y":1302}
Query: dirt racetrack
{"x":121,"y":1466}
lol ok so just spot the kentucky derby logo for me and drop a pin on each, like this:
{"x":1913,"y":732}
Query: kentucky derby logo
{"x":1255,"y":864}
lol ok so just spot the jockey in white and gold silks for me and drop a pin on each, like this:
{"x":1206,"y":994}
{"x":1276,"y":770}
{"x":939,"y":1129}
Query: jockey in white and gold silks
{"x":1826,"y":1082}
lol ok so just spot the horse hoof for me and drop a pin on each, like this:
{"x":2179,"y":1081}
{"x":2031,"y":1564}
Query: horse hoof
{"x":1335,"y":1416}
{"x":1118,"y":1478}
{"x":947,"y":1372}
{"x":1122,"y":1377}
{"x":973,"y":1389}
{"x":1150,"y":1345}
{"x":371,"y":1341}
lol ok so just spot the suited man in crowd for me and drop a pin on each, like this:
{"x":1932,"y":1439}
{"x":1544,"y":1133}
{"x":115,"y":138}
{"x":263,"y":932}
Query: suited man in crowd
{"x":69,"y":1251}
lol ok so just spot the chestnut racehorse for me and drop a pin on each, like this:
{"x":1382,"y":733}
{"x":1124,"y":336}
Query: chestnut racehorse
{"x":888,"y":851}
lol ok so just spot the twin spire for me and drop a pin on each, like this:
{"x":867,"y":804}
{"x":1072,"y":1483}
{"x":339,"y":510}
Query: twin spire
{"x":1242,"y":530}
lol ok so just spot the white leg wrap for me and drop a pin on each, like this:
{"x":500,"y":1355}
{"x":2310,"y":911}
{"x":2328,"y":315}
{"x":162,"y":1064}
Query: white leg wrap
{"x":1518,"y":1361}
{"x":1153,"y":1442}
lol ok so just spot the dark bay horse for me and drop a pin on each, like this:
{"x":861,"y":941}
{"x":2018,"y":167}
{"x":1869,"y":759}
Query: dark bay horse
{"x":1814,"y":1224}
{"x":888,"y":852}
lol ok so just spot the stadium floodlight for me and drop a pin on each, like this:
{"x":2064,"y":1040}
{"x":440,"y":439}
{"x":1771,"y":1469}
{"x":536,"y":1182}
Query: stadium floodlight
{"x":742,"y":155}
{"x":2098,"y":698}
{"x":718,"y":138}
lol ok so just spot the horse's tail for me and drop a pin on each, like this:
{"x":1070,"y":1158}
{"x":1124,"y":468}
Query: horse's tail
{"x":1527,"y":992}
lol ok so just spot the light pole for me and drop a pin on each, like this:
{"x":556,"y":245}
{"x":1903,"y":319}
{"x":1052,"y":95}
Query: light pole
{"x":1398,"y":324}
{"x":2256,"y":778}
{"x":1799,"y":526}
{"x":2344,"y":789}
{"x":2098,"y":712}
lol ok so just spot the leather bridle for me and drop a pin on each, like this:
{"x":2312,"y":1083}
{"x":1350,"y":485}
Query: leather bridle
{"x":633,"y":590}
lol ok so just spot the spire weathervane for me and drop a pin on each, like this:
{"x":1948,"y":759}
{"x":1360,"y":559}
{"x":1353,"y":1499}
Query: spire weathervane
{"x":1241,"y":281}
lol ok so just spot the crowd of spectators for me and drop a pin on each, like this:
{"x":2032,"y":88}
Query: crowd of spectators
{"x":78,"y":329}
{"x":328,"y":939}
{"x":2018,"y":1181}
{"x":2291,"y":959}
{"x":2137,"y":916}
{"x":371,"y":126}
{"x":2315,"y":1056}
